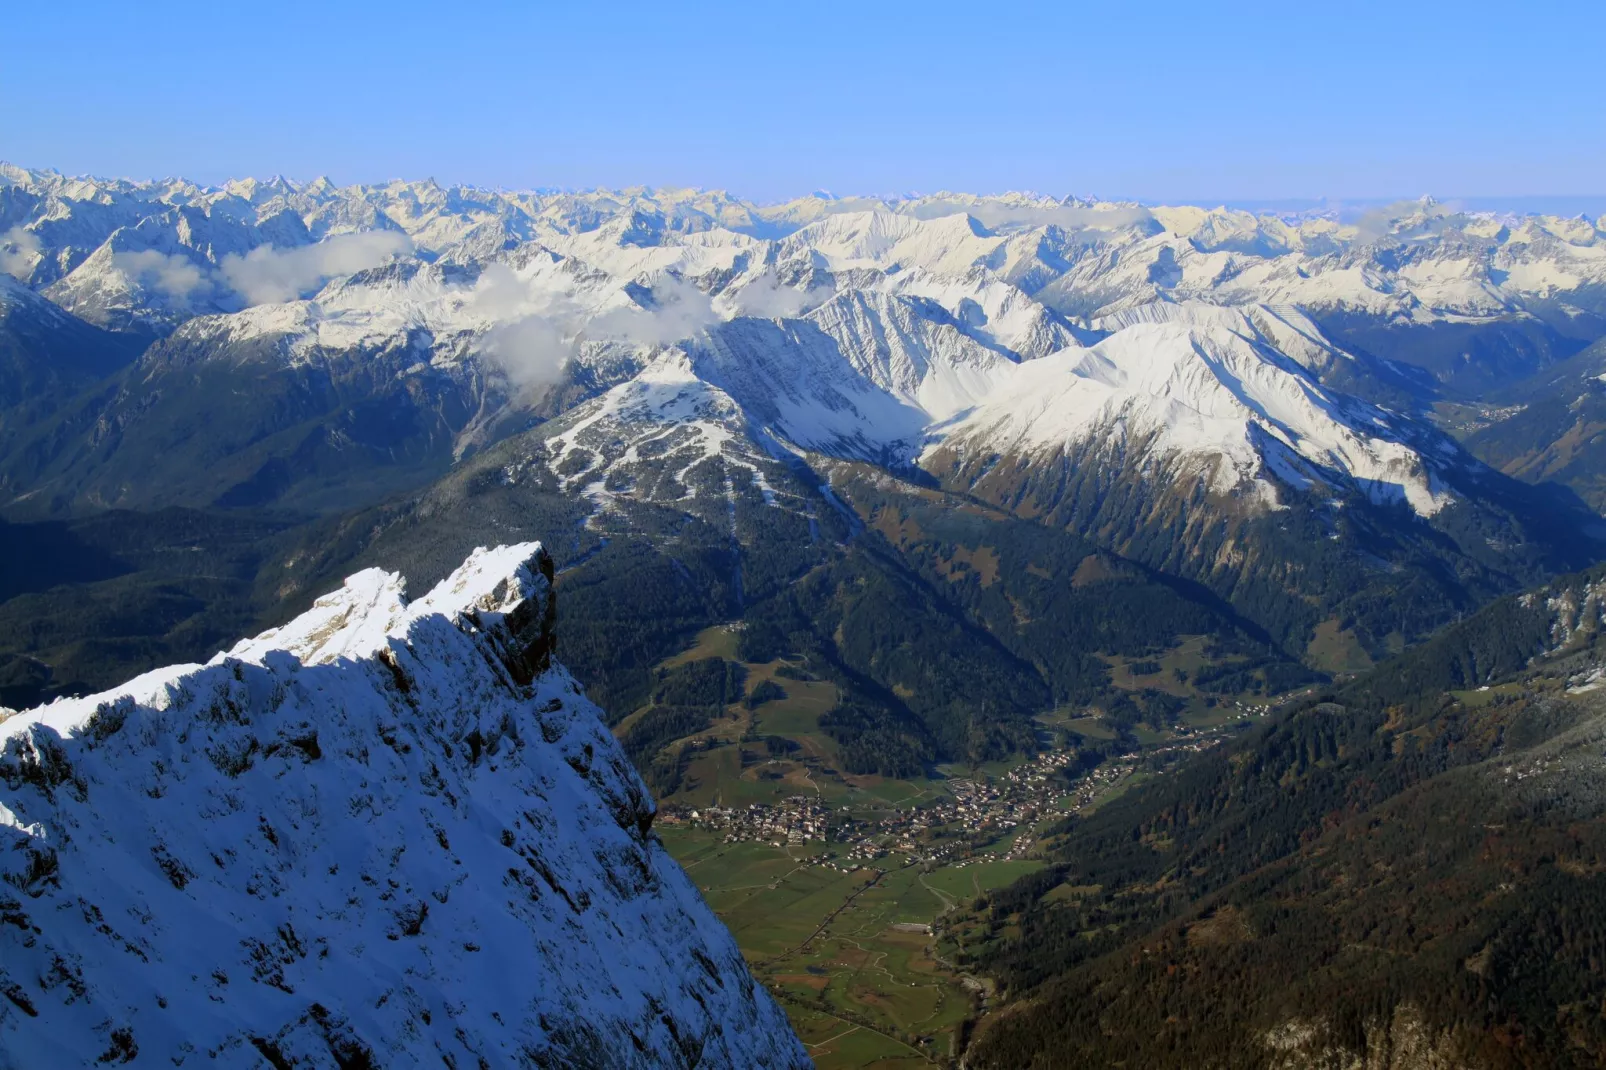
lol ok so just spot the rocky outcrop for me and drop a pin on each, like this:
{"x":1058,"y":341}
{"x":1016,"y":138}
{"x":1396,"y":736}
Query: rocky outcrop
{"x":388,"y":833}
{"x":1403,"y":1040}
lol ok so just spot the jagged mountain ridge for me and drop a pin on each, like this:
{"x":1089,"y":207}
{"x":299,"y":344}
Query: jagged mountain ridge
{"x":1416,"y":260}
{"x":928,"y":300}
{"x":1187,"y":440}
{"x":738,"y":410}
{"x":239,"y":843}
{"x":1180,"y":412}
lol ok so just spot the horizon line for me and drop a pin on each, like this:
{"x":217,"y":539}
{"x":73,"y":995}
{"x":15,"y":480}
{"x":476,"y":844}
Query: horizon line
{"x":1471,"y":202}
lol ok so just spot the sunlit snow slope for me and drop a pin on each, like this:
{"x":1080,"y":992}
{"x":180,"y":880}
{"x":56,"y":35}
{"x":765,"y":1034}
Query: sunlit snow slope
{"x":384,"y":834}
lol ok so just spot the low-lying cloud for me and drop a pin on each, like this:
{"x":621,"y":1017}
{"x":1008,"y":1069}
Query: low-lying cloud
{"x":533,"y":350}
{"x":175,"y":276}
{"x":19,"y":251}
{"x":537,"y":333}
{"x":267,"y":275}
{"x":675,"y":310}
{"x":768,"y":299}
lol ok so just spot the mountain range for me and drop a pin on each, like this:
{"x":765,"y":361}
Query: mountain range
{"x":1245,"y":381}
{"x":967,"y":460}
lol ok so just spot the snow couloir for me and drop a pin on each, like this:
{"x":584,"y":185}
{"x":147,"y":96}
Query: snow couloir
{"x":388,"y":833}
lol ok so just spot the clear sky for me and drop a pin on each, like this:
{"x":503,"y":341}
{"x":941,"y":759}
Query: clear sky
{"x":1158,"y":101}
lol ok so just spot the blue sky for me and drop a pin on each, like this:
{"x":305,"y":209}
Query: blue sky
{"x":1237,"y":102}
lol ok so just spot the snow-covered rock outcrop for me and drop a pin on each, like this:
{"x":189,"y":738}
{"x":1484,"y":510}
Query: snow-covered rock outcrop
{"x":388,"y":833}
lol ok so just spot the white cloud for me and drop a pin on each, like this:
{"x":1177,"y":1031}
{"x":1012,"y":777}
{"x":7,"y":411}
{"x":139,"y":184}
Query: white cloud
{"x":268,"y":275}
{"x":766,"y":298}
{"x":535,"y":333}
{"x":174,"y":276}
{"x":533,"y":350}
{"x":677,"y":311}
{"x":19,"y":251}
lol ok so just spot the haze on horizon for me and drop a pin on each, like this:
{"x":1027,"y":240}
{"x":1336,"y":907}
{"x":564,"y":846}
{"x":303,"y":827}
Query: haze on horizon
{"x":1249,"y":105}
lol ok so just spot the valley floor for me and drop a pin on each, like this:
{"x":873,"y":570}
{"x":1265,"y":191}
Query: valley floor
{"x":846,"y":928}
{"x":838,"y":886}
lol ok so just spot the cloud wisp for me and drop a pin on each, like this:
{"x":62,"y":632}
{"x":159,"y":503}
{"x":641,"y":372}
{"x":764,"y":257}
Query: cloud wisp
{"x":175,"y":276}
{"x":535,"y":334}
{"x":19,"y":252}
{"x":766,"y":298}
{"x":267,"y":275}
{"x":673,"y":310}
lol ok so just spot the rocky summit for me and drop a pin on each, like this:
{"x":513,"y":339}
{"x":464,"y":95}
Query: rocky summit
{"x":386,"y":833}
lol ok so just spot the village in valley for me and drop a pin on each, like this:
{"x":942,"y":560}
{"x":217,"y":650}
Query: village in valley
{"x":980,"y":817}
{"x":852,"y":894}
{"x":847,"y":896}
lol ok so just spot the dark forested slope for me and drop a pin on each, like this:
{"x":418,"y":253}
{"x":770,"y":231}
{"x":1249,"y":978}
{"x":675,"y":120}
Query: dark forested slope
{"x":1410,"y":872}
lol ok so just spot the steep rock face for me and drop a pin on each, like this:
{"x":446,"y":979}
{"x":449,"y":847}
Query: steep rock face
{"x":384,"y":834}
{"x":1399,"y":1040}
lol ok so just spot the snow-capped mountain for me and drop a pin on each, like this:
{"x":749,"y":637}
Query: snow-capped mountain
{"x":1216,"y":368}
{"x":928,"y":330}
{"x":386,"y":833}
{"x":1212,"y":393}
{"x":1419,"y":263}
{"x":893,"y":379}
{"x":956,"y":452}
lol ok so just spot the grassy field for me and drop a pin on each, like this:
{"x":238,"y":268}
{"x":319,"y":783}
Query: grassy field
{"x":1334,"y":649}
{"x":716,"y":642}
{"x":720,"y":776}
{"x":848,"y":954}
{"x":967,"y":882}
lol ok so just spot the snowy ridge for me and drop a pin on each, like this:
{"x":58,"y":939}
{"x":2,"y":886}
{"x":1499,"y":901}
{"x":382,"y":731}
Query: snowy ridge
{"x":864,"y":328}
{"x":386,"y":833}
{"x":1210,"y":390}
{"x":885,"y":378}
{"x":1283,"y":329}
{"x":158,"y":252}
